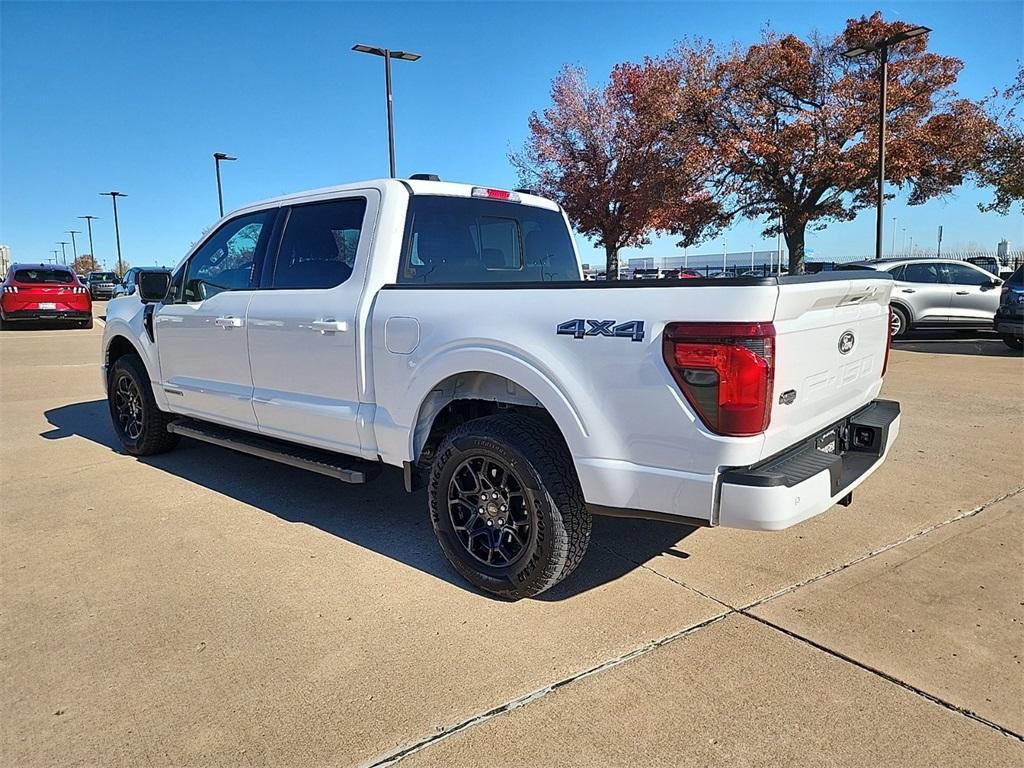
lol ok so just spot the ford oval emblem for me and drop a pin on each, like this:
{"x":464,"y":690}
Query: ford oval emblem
{"x":846,"y":343}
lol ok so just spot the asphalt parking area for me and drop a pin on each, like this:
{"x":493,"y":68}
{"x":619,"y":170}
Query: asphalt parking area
{"x":207,"y":608}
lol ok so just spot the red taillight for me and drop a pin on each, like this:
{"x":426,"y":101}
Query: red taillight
{"x":888,"y":342}
{"x":80,"y":289}
{"x":725,"y":371}
{"x":495,"y":194}
{"x":10,"y":289}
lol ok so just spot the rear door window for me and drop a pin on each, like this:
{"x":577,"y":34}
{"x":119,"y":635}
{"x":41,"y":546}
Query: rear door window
{"x":466,"y":241}
{"x":318,"y":249}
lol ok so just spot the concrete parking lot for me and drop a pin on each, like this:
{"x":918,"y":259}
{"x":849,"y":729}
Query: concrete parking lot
{"x":208,"y":608}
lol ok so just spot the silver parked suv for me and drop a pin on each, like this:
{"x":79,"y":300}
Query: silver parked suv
{"x":937,"y":293}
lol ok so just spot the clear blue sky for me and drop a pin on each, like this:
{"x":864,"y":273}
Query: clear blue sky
{"x":137,"y":96}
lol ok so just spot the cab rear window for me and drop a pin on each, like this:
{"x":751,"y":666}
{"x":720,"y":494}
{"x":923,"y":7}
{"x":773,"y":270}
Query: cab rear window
{"x":43,"y":276}
{"x":466,"y":240}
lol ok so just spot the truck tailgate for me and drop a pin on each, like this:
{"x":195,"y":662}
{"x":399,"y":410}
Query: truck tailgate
{"x":831,"y":342}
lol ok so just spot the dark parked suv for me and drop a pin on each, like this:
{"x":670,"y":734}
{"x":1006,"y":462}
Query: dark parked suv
{"x":1009,"y":319}
{"x":101,"y":284}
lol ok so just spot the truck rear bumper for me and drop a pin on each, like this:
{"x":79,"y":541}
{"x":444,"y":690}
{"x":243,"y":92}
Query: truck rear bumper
{"x":810,"y":477}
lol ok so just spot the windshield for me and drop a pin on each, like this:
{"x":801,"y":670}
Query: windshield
{"x":44,"y":276}
{"x":102,"y":277}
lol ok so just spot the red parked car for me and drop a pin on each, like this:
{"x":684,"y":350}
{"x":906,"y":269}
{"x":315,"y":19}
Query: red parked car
{"x":44,"y":292}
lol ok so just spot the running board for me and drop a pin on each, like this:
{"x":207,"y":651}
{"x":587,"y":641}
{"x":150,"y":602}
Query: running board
{"x":345,"y":468}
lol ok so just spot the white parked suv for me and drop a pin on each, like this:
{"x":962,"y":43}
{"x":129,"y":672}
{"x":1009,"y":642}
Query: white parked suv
{"x":447,"y":329}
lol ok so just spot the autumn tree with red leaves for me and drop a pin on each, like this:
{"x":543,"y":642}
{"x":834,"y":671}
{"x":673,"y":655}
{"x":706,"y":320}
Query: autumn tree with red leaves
{"x":794,"y":126}
{"x":611,"y":158}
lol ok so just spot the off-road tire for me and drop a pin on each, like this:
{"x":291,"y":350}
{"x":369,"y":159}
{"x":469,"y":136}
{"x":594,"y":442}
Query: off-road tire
{"x":153,"y":437}
{"x":537,"y":456}
{"x":900,"y":315}
{"x":1013,"y":342}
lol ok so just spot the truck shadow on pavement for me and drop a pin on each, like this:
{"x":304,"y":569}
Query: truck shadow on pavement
{"x":379,"y":516}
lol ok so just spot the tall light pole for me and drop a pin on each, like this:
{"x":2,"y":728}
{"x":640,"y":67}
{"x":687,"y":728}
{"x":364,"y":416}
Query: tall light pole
{"x":117,"y":229}
{"x":882,"y":48}
{"x":217,"y":157}
{"x":63,"y":251}
{"x":388,"y":56}
{"x":892,"y":249}
{"x":74,"y":246}
{"x":903,"y":243}
{"x":92,"y":251}
{"x":54,"y":252}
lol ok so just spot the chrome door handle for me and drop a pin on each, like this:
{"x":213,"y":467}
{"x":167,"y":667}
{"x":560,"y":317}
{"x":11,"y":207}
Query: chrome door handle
{"x":908,"y":290}
{"x":962,"y":293}
{"x":329,"y":326}
{"x":229,"y":322}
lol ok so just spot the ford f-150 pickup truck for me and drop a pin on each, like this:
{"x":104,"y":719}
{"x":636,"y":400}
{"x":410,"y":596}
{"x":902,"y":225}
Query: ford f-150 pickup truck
{"x":446,"y":329}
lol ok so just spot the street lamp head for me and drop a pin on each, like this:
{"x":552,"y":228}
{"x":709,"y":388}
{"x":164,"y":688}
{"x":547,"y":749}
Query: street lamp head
{"x":74,"y":231}
{"x":88,"y":216}
{"x":114,"y":194}
{"x":403,"y":55}
{"x":899,"y":37}
{"x":369,"y":49}
{"x":222,"y":156}
{"x":860,"y":50}
{"x":907,"y":34}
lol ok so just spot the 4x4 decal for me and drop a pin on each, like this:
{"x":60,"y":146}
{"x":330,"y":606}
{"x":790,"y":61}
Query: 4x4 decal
{"x":633,"y":329}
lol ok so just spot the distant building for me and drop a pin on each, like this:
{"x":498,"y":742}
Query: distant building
{"x":1003,"y":250}
{"x":732,"y":259}
{"x":5,"y":259}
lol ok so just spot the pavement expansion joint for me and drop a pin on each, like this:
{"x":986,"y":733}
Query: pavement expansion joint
{"x":881,"y":550}
{"x":521,"y":701}
{"x":885,"y":676}
{"x":677,"y":582}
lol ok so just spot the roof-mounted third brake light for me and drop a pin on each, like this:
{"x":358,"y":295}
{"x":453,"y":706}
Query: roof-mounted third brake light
{"x":495,"y":194}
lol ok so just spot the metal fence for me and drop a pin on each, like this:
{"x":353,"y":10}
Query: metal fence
{"x":820,"y":263}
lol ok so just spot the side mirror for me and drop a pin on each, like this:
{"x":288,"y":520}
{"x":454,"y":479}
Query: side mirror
{"x":995,"y":282}
{"x":152,"y":286}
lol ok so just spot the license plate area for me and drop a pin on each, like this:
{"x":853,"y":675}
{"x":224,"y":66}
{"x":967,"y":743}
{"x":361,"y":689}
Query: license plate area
{"x":47,"y":305}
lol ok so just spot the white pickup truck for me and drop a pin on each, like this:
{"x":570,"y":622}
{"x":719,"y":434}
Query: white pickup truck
{"x":446,"y":329}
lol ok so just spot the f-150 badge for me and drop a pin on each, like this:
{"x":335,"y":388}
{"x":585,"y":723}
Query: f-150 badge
{"x":633,"y":329}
